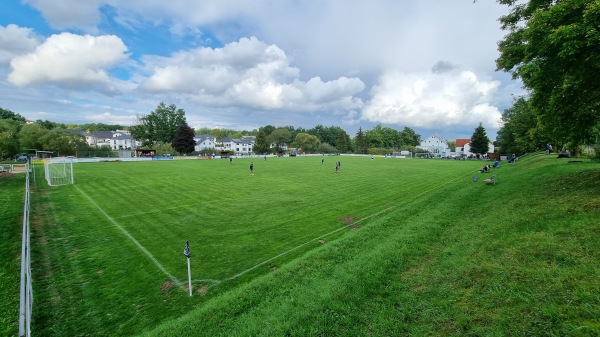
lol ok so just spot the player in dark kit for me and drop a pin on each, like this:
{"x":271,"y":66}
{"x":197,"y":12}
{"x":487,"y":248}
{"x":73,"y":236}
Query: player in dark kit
{"x":252,"y":168}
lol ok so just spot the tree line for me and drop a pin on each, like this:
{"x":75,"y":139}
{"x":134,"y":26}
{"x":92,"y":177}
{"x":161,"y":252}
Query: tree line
{"x":167,"y":125}
{"x":166,"y":130}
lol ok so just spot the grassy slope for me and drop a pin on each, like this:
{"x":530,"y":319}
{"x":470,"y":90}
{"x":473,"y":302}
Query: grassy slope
{"x":517,"y":258}
{"x":12,"y":190}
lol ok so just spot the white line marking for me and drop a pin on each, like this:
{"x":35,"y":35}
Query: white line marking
{"x":137,"y":243}
{"x":335,"y":231}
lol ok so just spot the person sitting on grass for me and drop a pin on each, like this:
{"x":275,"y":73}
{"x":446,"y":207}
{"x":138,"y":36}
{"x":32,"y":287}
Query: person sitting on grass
{"x":496,"y":164}
{"x":485,"y":168}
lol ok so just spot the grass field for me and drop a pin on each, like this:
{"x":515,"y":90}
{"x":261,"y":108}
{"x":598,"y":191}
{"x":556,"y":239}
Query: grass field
{"x":384,"y":247}
{"x":239,"y":226}
{"x":12,"y":191}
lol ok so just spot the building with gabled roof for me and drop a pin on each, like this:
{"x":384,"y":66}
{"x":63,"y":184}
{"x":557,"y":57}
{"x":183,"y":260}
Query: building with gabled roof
{"x":435,"y":145}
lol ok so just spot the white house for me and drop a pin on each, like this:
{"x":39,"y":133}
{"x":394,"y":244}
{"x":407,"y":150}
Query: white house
{"x":205,"y":142}
{"x":435,"y":145}
{"x":239,"y":146}
{"x":116,"y":140}
{"x":463,"y":147}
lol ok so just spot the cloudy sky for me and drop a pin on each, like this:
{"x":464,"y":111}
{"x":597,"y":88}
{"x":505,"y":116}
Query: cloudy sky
{"x":424,"y":64}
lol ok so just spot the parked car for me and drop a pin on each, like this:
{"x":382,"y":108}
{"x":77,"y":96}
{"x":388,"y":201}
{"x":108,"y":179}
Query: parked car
{"x":21,"y":157}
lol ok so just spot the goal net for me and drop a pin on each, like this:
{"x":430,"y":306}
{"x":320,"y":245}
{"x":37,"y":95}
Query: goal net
{"x":59,"y":171}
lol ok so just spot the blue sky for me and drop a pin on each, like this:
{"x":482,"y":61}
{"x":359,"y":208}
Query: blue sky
{"x":425,"y":64}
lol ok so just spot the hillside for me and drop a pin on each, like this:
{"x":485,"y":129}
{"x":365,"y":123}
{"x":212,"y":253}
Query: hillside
{"x":516,"y":258}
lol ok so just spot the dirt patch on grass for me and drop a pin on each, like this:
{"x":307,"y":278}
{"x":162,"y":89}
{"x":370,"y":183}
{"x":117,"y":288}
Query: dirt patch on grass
{"x":166,"y":286}
{"x":592,"y":205}
{"x":346,"y":220}
{"x":272,"y":267}
{"x":7,"y":175}
{"x":321,"y":241}
{"x":202,"y":290}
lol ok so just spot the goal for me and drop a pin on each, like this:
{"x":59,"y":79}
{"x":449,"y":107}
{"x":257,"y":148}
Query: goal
{"x":59,"y":171}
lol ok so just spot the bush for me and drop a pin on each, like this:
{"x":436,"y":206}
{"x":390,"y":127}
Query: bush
{"x":595,"y":153}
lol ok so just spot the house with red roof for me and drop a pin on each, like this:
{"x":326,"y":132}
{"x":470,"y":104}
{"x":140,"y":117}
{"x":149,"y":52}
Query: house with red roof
{"x":463,"y":147}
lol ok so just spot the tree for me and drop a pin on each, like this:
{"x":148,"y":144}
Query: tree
{"x":184,"y":139}
{"x":160,"y":125}
{"x":268,"y":129}
{"x":307,"y":142}
{"x":280,"y":137}
{"x":262,"y":143}
{"x":374,"y":137}
{"x":63,"y":142}
{"x":480,"y":143}
{"x":9,"y":142}
{"x":342,"y":144}
{"x":7,"y":114}
{"x":361,"y":141}
{"x":408,"y":137}
{"x":50,"y":125}
{"x":553,"y":47}
{"x":520,"y":131}
{"x":31,"y":135}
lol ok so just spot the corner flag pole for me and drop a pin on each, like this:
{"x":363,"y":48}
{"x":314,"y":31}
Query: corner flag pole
{"x":186,"y":252}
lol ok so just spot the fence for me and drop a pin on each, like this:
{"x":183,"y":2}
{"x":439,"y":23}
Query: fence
{"x":14,"y":168}
{"x":26,"y":302}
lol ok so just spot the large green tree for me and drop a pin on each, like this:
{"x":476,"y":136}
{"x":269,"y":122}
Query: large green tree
{"x":408,"y":137}
{"x":375,"y":137}
{"x":554,"y":48}
{"x":9,"y":141}
{"x":280,"y":137}
{"x":479,"y":141}
{"x":184,"y":139}
{"x":160,"y":126}
{"x":307,"y":142}
{"x":520,"y":131}
{"x":63,"y":142}
{"x":31,"y":135}
{"x":8,"y":114}
{"x":360,"y":142}
{"x":262,"y":143}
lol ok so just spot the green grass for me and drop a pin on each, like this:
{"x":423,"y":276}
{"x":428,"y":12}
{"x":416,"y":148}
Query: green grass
{"x":12,"y":191}
{"x":385,"y":247}
{"x":518,"y":258}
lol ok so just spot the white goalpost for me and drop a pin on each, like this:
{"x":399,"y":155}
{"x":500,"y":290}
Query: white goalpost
{"x":59,"y":171}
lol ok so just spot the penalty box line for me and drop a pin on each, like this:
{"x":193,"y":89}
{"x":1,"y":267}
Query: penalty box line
{"x":136,"y":242}
{"x":330,"y":233}
{"x":306,"y":243}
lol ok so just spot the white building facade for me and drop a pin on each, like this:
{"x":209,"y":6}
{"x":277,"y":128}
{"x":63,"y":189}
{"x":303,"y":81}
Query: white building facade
{"x":205,"y":142}
{"x":116,"y":140}
{"x":241,"y":146}
{"x":435,"y":145}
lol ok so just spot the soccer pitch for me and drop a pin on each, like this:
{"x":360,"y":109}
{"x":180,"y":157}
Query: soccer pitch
{"x":237,"y":222}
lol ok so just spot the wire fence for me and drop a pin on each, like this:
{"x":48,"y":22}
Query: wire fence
{"x":26,"y":303}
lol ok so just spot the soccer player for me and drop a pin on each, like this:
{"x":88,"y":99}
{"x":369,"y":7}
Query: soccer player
{"x":252,"y":168}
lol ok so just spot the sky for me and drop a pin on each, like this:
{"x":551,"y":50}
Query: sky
{"x":424,"y":64}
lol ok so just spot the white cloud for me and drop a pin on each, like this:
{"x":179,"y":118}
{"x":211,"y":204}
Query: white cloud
{"x":435,"y":100}
{"x":62,"y":14}
{"x":70,"y":60}
{"x":247,"y":73}
{"x":14,"y":41}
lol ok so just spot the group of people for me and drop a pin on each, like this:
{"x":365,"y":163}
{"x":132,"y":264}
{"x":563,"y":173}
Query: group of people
{"x":488,"y":167}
